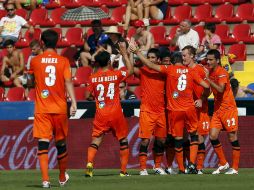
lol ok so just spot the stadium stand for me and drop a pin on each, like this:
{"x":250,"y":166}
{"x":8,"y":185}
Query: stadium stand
{"x":81,"y":77}
{"x":15,"y":94}
{"x":31,"y":95}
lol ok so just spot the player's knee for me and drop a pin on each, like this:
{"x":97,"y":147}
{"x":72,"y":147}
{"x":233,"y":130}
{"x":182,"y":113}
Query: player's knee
{"x":178,"y":143}
{"x":61,"y":147}
{"x":194,"y":138}
{"x":145,"y":142}
{"x":235,"y":144}
{"x":186,"y":144}
{"x":201,"y":146}
{"x":213,"y":136}
{"x":124,"y":145}
{"x":143,"y":149}
{"x":158,"y":146}
{"x":215,"y":142}
{"x":93,"y":145}
{"x":43,"y":145}
{"x":169,"y":141}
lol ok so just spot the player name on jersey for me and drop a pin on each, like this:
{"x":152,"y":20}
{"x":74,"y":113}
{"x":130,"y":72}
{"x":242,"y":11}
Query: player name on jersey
{"x":49,"y":60}
{"x":182,"y":71}
{"x":104,"y":79}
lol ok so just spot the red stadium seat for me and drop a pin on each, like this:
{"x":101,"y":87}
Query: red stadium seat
{"x":26,"y":52}
{"x":130,"y":33}
{"x":113,"y":3}
{"x":25,"y":41}
{"x":15,"y":94}
{"x":69,"y":53}
{"x":23,"y":13}
{"x":202,"y":12}
{"x":73,"y":36}
{"x":137,"y":92}
{"x":31,"y":95}
{"x":82,"y":76}
{"x":195,"y":2}
{"x":116,"y":16}
{"x":56,"y":17}
{"x":239,"y":50}
{"x":159,"y":34}
{"x":237,"y":2}
{"x":172,"y":32}
{"x":245,"y":12}
{"x":242,"y":32}
{"x":200,"y":30}
{"x":3,"y":13}
{"x":40,"y":17}
{"x":54,"y":4}
{"x":71,"y":3}
{"x":222,"y":30}
{"x":181,"y":13}
{"x":214,"y":2}
{"x":80,"y":93}
{"x":175,"y":2}
{"x":1,"y":94}
{"x":90,"y":3}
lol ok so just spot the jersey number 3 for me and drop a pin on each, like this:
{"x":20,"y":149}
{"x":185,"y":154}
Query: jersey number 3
{"x":182,"y":82}
{"x":110,"y":91}
{"x":51,"y":79}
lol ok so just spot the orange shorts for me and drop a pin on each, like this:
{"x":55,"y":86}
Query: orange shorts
{"x":203,"y":123}
{"x":47,"y":125}
{"x":180,"y":119}
{"x":115,"y":123}
{"x":227,"y":119}
{"x":152,"y":124}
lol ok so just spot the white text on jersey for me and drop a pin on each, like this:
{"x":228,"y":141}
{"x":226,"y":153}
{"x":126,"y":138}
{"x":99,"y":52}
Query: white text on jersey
{"x":49,"y":60}
{"x":182,"y":71}
{"x":104,"y":79}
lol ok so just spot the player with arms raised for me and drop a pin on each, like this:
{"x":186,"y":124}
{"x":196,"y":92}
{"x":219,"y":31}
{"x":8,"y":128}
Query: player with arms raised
{"x":52,"y":76}
{"x":104,"y":85}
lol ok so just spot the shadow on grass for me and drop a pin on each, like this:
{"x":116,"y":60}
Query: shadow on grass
{"x":38,"y":186}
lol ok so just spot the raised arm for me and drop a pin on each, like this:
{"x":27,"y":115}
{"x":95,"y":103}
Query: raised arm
{"x":126,"y":59}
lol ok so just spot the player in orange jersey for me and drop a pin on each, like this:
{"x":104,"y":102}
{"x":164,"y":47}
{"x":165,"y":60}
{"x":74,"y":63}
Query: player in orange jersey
{"x":152,"y":112}
{"x":225,"y":114}
{"x":179,"y":92}
{"x":52,"y":80}
{"x":201,"y":102}
{"x":104,"y":85}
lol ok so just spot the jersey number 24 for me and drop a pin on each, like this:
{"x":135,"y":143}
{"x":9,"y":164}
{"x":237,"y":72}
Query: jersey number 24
{"x":110,"y":91}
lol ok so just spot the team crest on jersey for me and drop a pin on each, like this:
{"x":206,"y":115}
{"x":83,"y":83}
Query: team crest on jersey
{"x":101,"y":105}
{"x":44,"y":93}
{"x":175,"y":94}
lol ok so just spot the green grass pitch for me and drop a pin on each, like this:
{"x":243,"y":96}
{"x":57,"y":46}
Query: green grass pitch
{"x":109,"y":180}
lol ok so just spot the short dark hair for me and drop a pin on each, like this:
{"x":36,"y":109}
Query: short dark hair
{"x":102,"y":58}
{"x":165,"y":52}
{"x":96,"y":22}
{"x":191,"y":50}
{"x":214,"y":52}
{"x":8,"y":42}
{"x":50,"y":38}
{"x":34,"y":43}
{"x":210,"y":26}
{"x":155,"y":51}
{"x":176,"y":57}
{"x":234,"y":83}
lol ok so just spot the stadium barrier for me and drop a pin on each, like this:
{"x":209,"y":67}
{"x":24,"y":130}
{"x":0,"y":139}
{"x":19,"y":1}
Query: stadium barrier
{"x":18,"y":149}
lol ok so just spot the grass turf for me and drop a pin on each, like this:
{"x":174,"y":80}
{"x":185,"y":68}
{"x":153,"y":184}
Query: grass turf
{"x":109,"y":180}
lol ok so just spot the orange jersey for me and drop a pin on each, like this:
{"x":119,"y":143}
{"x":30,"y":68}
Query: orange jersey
{"x":50,"y":71}
{"x":179,"y":89}
{"x":105,"y":87}
{"x":224,"y":100}
{"x":198,"y":89}
{"x":152,"y":91}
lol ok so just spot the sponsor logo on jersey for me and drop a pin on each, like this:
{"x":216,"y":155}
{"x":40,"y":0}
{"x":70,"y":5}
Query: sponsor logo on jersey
{"x":101,"y":105}
{"x":175,"y":94}
{"x":44,"y":93}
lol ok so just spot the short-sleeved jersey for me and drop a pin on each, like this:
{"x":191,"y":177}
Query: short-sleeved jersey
{"x":105,"y":87}
{"x":152,"y":85}
{"x":50,"y":71}
{"x":224,"y":100}
{"x":179,"y":87}
{"x":198,"y":89}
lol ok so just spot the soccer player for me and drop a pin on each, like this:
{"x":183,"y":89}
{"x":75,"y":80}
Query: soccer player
{"x":179,"y":92}
{"x":201,"y":102}
{"x":104,"y":84}
{"x":152,"y":112}
{"x":52,"y":80}
{"x":225,"y":114}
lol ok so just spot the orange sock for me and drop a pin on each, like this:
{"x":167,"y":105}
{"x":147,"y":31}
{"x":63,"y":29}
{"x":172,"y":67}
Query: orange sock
{"x":236,"y":154}
{"x":219,"y":151}
{"x":158,"y":150}
{"x":193,"y":148}
{"x":142,"y":157}
{"x":92,"y":150}
{"x":201,"y":156}
{"x":62,"y":158}
{"x":179,"y":158}
{"x":43,"y":159}
{"x":124,"y":155}
{"x":158,"y":159}
{"x":170,"y":155}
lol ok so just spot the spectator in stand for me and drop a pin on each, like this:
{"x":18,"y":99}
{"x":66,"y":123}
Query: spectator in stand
{"x":13,"y":65}
{"x":185,"y":36}
{"x":97,"y":38}
{"x":155,"y":9}
{"x":11,"y":24}
{"x":143,"y":38}
{"x":240,"y":91}
{"x":32,"y":4}
{"x":210,"y":41}
{"x":134,"y":11}
{"x":126,"y":94}
{"x":113,"y":46}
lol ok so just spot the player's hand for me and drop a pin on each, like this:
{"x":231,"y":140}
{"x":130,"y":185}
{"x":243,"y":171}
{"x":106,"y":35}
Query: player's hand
{"x":198,"y":103}
{"x":133,"y":46}
{"x":73,"y":109}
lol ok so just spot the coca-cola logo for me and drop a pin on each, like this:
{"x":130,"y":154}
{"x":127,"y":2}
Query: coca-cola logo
{"x":20,"y":151}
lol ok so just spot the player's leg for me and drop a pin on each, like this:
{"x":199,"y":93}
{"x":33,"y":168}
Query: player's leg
{"x":143,"y":150}
{"x":170,"y":154}
{"x":43,"y":146}
{"x":201,"y":154}
{"x":124,"y":156}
